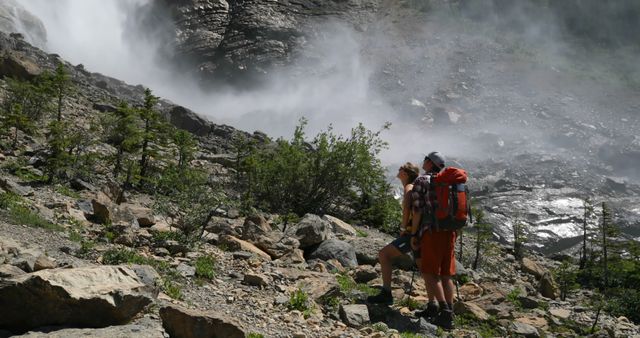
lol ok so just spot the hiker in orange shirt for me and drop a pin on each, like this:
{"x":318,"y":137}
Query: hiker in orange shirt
{"x":436,"y":247}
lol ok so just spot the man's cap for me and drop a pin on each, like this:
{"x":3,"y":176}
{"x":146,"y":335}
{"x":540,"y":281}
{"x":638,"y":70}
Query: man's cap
{"x":436,"y":158}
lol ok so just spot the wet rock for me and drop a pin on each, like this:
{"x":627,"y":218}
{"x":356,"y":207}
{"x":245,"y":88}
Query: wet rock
{"x":81,"y":297}
{"x":615,"y":184}
{"x":186,"y":323}
{"x":16,"y":19}
{"x":336,"y":249}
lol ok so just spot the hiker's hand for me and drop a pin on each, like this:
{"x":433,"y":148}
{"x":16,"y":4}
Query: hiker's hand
{"x":414,"y":243}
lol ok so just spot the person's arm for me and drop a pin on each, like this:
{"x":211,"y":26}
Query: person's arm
{"x":406,"y":207}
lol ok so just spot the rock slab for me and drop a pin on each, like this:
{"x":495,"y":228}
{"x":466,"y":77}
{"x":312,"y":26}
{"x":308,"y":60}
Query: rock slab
{"x":82,"y":297}
{"x":186,"y":323}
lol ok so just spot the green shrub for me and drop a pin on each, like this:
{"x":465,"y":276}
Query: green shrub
{"x":348,"y":286}
{"x":187,"y":196}
{"x":514,"y":297}
{"x":299,"y":300}
{"x":121,"y":256}
{"x":361,"y":233}
{"x":410,"y":303}
{"x":16,"y":211}
{"x":255,"y":335}
{"x":331,"y":174}
{"x":66,"y":191}
{"x":172,"y":289}
{"x":205,"y":267}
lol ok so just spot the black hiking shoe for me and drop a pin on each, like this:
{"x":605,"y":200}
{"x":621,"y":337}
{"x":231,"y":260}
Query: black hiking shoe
{"x":429,"y":313}
{"x":444,"y":320}
{"x":384,"y":297}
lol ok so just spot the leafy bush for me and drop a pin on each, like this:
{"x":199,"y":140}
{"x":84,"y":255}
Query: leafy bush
{"x":205,"y":267}
{"x":187,"y":200}
{"x":329,"y":174}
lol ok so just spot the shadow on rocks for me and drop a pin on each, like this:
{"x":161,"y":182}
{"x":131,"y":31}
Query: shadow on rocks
{"x":395,"y":320}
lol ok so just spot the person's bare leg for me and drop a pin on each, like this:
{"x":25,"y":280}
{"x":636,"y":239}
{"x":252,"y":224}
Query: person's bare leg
{"x":386,"y":256}
{"x":449,"y":288}
{"x":435,"y":287}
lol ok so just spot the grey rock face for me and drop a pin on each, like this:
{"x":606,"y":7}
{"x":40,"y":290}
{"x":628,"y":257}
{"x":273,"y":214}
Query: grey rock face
{"x":229,"y":41}
{"x":15,"y":19}
{"x":522,"y":329}
{"x":311,"y":230}
{"x":355,"y":315}
{"x":81,"y":297}
{"x":336,"y":249}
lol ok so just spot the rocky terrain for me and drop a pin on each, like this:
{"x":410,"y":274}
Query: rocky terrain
{"x":254,"y":274}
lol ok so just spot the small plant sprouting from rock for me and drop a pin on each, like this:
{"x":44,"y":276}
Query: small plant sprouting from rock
{"x":514,"y":297}
{"x":299,"y":300}
{"x":205,"y":267}
{"x":172,"y":289}
{"x":410,"y":303}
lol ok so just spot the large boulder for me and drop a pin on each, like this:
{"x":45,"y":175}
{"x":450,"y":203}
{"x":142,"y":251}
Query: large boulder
{"x":336,"y":249}
{"x":340,"y":227}
{"x":97,"y":296}
{"x":235,"y":244}
{"x":548,"y":286}
{"x":185,"y":323}
{"x":531,"y":267}
{"x":311,"y":230}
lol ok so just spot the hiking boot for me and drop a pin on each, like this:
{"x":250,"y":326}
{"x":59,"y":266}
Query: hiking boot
{"x":444,"y":320}
{"x":430,"y":312}
{"x":384,"y":297}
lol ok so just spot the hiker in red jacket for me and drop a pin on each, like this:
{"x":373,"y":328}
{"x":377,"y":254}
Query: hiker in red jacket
{"x":436,"y":246}
{"x":401,"y":245}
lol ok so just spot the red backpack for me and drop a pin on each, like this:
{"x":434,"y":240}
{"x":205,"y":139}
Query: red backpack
{"x":450,"y":207}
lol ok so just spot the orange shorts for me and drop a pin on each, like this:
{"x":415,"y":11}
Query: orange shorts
{"x":437,"y":252}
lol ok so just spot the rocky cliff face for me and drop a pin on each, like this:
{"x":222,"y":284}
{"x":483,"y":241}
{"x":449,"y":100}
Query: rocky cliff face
{"x":240,"y":41}
{"x":15,"y":19}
